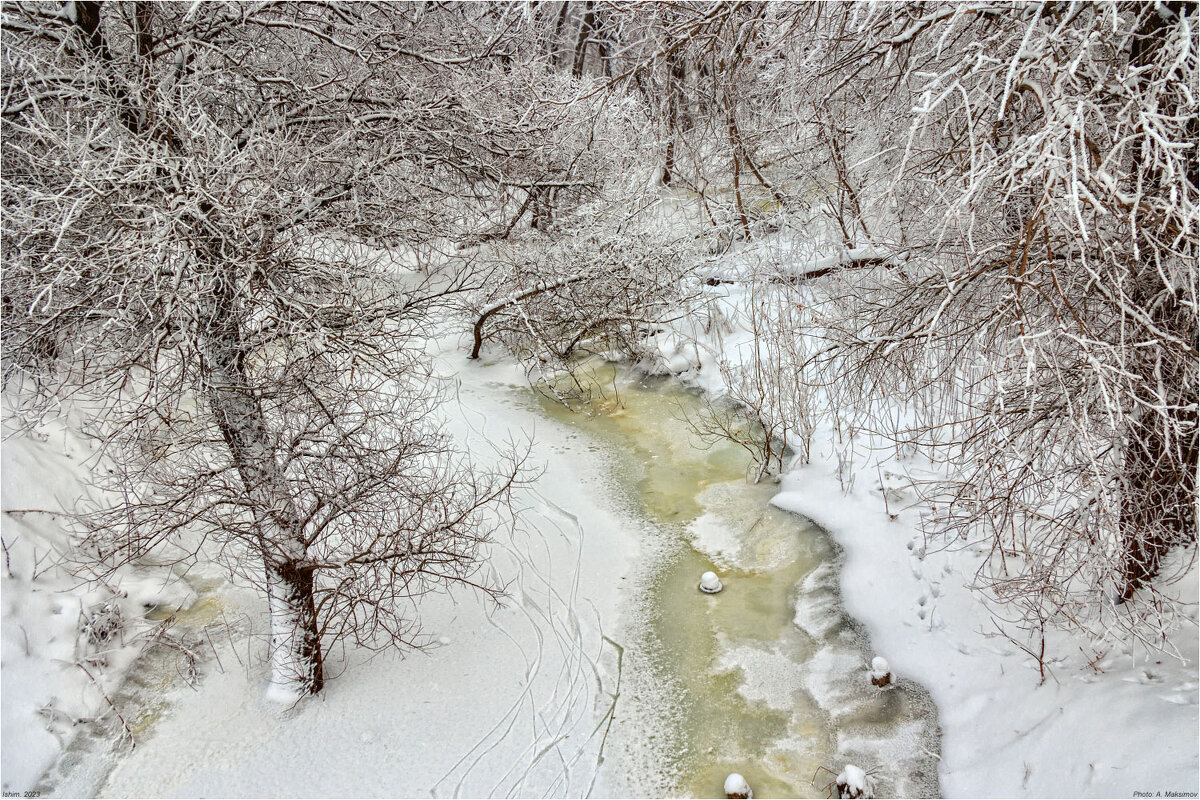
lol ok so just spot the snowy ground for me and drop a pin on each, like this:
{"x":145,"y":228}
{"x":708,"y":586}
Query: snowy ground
{"x":1108,"y":721}
{"x":66,"y":648}
{"x":1127,"y":726}
{"x":508,"y":701}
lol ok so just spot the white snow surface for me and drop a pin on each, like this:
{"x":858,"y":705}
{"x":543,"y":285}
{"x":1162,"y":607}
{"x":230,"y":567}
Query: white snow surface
{"x":53,"y":675}
{"x":508,"y":700}
{"x":1082,"y":733}
{"x":1125,"y":723}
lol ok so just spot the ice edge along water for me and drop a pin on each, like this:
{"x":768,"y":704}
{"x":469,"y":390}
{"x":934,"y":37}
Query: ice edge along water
{"x":1037,"y":748}
{"x":1096,"y":728}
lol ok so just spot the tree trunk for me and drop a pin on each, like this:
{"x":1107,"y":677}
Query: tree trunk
{"x":143,"y":16}
{"x":669,"y":163}
{"x":1158,"y":507}
{"x":847,"y":191}
{"x":87,"y":19}
{"x":296,"y":668}
{"x":602,"y":51}
{"x":675,"y":82}
{"x":737,"y":169}
{"x":295,"y":649}
{"x":585,"y":29}
{"x":553,"y":48}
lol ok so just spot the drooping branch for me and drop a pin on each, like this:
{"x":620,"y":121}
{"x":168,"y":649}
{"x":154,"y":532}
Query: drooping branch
{"x":533,"y":291}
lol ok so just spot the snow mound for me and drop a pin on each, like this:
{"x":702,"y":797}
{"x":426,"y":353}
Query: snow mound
{"x":736,"y":786}
{"x":852,"y":782}
{"x":710,"y":583}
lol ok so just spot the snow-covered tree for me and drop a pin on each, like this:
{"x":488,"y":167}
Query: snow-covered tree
{"x":205,"y":206}
{"x":1031,"y":179}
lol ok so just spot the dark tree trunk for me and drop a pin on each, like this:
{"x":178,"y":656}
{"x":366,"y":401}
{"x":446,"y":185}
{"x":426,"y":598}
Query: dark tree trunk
{"x":296,"y":664}
{"x":585,"y":30}
{"x":554,"y":46}
{"x":737,"y":169}
{"x":675,"y":82}
{"x":1162,"y":443}
{"x":602,"y":40}
{"x":295,"y":638}
{"x":87,"y":19}
{"x":143,"y":14}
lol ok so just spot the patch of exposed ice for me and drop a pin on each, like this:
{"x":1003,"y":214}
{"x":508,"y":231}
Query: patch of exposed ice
{"x":818,"y":610}
{"x":712,"y":535}
{"x":833,"y":676}
{"x":769,"y":676}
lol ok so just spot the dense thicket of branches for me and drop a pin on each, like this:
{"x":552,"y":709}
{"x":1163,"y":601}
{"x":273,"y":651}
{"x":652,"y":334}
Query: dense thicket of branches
{"x":188,"y":196}
{"x":1043,"y":326}
{"x":1013,"y":192}
{"x":233,"y":221}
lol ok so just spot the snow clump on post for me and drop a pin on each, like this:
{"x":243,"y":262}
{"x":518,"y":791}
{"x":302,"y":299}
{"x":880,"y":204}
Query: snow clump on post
{"x":852,"y":783}
{"x":735,"y":784}
{"x":710,"y":583}
{"x":880,"y":676}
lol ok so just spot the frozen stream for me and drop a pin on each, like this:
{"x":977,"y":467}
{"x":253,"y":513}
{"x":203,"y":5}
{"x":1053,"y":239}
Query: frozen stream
{"x":607,"y":672}
{"x":768,"y":678}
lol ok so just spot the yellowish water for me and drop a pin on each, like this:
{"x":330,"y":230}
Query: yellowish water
{"x":671,"y":478}
{"x":204,"y":611}
{"x":162,"y":669}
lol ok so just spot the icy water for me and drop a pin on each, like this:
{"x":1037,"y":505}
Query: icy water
{"x":165,"y":667}
{"x":768,"y":678}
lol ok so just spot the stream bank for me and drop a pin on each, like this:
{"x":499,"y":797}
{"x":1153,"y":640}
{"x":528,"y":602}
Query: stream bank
{"x":768,"y":678}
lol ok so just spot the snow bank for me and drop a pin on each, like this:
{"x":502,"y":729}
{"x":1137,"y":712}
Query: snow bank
{"x":1084,"y":732}
{"x":1108,"y":720}
{"x":66,"y":645}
